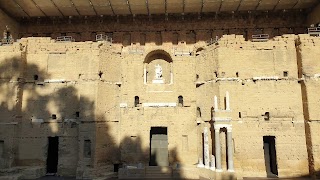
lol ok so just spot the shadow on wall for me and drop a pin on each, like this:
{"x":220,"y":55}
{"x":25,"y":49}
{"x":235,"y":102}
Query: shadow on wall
{"x":54,"y":126}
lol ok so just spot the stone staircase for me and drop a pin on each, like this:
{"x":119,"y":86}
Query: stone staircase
{"x":158,"y":172}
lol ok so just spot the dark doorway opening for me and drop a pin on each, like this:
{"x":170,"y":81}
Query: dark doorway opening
{"x":159,"y":146}
{"x":270,"y":156}
{"x":52,"y":158}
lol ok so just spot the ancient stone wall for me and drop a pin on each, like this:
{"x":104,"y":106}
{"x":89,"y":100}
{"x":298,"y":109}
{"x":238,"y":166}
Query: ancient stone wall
{"x":96,"y":97}
{"x":260,"y":77}
{"x":309,"y":70}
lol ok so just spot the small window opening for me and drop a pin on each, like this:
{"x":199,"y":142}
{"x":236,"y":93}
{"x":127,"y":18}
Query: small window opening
{"x":285,"y":73}
{"x":87,"y":149}
{"x":216,"y":74}
{"x":136,"y":101}
{"x":197,"y":76}
{"x":266,"y":116}
{"x":198,"y":112}
{"x":35,"y":77}
{"x":77,"y":114}
{"x":237,"y":74}
{"x":239,"y":114}
{"x":180,"y":101}
{"x":100,"y":74}
{"x":54,"y":116}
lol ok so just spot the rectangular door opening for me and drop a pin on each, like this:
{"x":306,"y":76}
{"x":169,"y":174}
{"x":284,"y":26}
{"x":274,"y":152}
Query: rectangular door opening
{"x":159,"y":147}
{"x":52,"y":158}
{"x":270,"y":156}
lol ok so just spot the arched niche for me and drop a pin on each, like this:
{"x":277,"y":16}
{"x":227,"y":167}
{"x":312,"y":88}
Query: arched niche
{"x":158,"y":68}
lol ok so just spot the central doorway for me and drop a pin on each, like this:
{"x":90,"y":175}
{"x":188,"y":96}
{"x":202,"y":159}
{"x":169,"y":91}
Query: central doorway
{"x":159,"y":146}
{"x":52,"y":158}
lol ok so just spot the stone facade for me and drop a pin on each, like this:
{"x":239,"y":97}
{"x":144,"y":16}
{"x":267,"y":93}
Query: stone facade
{"x":232,"y":108}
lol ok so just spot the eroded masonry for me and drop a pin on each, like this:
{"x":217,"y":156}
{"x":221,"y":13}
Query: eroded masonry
{"x":229,"y":94}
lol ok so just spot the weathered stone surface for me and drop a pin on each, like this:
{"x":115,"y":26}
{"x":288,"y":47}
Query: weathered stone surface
{"x":99,"y":99}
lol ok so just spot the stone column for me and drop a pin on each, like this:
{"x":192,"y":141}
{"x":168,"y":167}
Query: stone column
{"x":213,"y":163}
{"x":218,"y":149}
{"x":230,"y":149}
{"x":206,"y":148}
{"x":227,"y":101}
{"x":215,"y":103}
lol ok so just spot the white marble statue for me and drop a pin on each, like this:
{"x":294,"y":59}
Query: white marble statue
{"x":158,"y":72}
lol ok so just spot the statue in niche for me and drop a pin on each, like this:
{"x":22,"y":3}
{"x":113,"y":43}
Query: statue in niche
{"x":158,"y":72}
{"x":158,"y":75}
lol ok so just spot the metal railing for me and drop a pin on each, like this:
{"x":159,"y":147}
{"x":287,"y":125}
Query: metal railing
{"x":65,"y":39}
{"x":102,"y":37}
{"x":212,"y":41}
{"x":181,"y":51}
{"x":314,"y":31}
{"x":260,"y":37}
{"x":136,"y":50}
{"x":6,"y":41}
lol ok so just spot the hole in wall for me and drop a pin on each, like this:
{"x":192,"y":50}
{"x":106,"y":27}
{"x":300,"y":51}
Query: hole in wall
{"x":266,"y":116}
{"x":35,"y":77}
{"x":54,"y":116}
{"x":237,"y":74}
{"x":180,"y":101}
{"x":285,"y":74}
{"x":198,"y":112}
{"x":100,"y":74}
{"x":136,"y":101}
{"x":77,"y":114}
